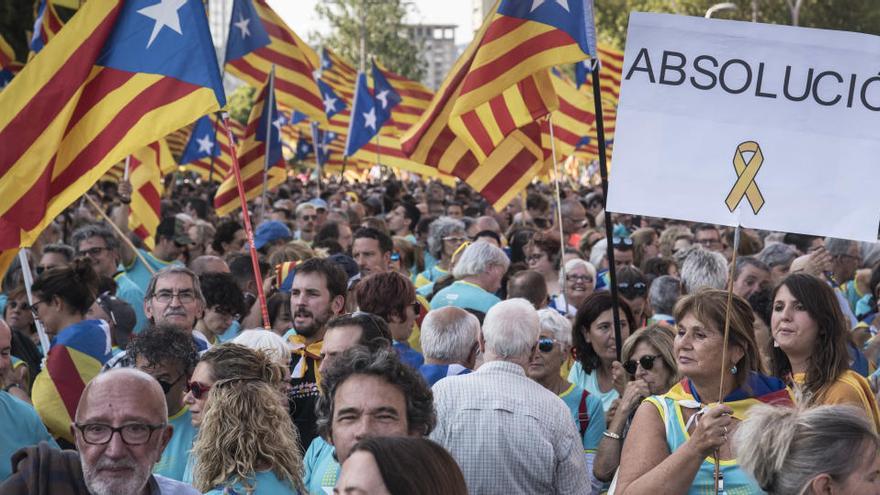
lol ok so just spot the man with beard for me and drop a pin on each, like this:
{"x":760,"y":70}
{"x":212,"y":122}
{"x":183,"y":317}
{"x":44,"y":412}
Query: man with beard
{"x":121,"y":429}
{"x":316,"y":295}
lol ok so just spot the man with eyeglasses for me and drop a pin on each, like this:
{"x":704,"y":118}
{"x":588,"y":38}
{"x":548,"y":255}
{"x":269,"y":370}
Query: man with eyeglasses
{"x":169,"y":356}
{"x":494,"y":420}
{"x":121,"y":429}
{"x":708,"y":236}
{"x":174,"y":297}
{"x":102,"y":248}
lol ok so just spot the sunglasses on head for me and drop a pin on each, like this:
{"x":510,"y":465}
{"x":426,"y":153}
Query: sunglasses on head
{"x":632,"y":290}
{"x":546,"y":344}
{"x":621,"y":242}
{"x":198,"y":390}
{"x":647,"y":363}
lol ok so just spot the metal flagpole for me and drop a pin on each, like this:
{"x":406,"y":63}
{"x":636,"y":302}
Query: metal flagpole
{"x":249,"y":231}
{"x":268,"y":110}
{"x":28,"y":282}
{"x":609,"y":232}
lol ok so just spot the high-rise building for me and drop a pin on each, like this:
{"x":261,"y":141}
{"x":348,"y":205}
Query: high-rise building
{"x":436,"y":43}
{"x":480,"y":9}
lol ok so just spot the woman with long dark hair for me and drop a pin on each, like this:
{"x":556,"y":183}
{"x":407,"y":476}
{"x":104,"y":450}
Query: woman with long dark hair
{"x":810,"y":337}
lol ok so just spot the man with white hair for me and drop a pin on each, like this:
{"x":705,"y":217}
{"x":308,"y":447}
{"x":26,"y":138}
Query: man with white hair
{"x":478,"y":275}
{"x":703,"y":269}
{"x":449,"y":343}
{"x":508,"y":433}
{"x":554,"y":347}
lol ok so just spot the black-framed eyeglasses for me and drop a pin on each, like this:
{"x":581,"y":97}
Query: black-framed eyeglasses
{"x":166,"y":386}
{"x":132,"y":434}
{"x":621,"y":242}
{"x":35,"y":308}
{"x":630,"y":291}
{"x":95,"y":251}
{"x":579,"y":278}
{"x":546,"y":344}
{"x":166,"y":296}
{"x":197,"y":389}
{"x":647,"y":363}
{"x":535,"y":257}
{"x":24,"y":306}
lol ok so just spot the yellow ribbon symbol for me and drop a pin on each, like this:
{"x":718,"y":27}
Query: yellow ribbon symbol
{"x":745,"y":182}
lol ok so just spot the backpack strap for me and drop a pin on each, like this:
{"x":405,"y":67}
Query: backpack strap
{"x":583,"y":414}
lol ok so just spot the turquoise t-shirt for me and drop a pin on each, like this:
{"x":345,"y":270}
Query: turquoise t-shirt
{"x":263,"y":483}
{"x":174,"y":458}
{"x":230,"y":332}
{"x":736,"y":481}
{"x":21,"y":428}
{"x":465,"y":295}
{"x":138,"y":272}
{"x":590,"y":383}
{"x":129,"y":292}
{"x":321,"y":469}
{"x":595,"y":415}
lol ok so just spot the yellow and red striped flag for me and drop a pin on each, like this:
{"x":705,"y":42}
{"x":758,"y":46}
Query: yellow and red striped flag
{"x":48,"y":24}
{"x":252,"y":158}
{"x":116,"y":78}
{"x":482,"y":124}
{"x":147,"y":167}
{"x":249,"y":58}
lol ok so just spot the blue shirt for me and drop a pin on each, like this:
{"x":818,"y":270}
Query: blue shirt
{"x":139,"y":273}
{"x":590,"y":383}
{"x":21,"y":427}
{"x":129,"y":292}
{"x":262,"y":483}
{"x":321,"y":468}
{"x":465,"y":295}
{"x":595,"y":416}
{"x":176,"y":454}
{"x":408,"y":355}
{"x":433,"y":373}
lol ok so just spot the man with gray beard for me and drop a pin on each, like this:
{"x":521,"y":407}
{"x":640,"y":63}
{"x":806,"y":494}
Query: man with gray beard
{"x":120,"y":430}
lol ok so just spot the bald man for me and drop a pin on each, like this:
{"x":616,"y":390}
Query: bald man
{"x":208,"y":264}
{"x":121,"y":429}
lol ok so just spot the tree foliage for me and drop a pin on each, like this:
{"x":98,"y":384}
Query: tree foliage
{"x":848,"y":15}
{"x":386,"y":38}
{"x":240,"y":102}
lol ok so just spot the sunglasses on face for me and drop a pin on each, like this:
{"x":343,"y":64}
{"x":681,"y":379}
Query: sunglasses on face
{"x":630,"y":291}
{"x":166,"y":386}
{"x":546,"y":344}
{"x":198,"y":390}
{"x":95,"y":251}
{"x":647,"y":363}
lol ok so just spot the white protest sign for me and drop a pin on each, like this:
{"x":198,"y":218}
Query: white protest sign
{"x":776,"y":127}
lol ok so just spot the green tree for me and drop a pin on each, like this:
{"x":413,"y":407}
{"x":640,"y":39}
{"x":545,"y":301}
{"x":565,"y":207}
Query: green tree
{"x":381,"y":23}
{"x":847,"y":15}
{"x":240,"y":103}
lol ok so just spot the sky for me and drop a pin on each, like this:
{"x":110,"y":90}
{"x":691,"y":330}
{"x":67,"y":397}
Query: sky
{"x":301,"y":17}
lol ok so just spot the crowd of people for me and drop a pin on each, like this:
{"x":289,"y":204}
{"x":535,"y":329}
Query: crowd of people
{"x":416,"y":341}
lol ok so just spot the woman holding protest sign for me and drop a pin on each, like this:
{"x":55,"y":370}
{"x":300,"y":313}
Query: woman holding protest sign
{"x":677,"y":439}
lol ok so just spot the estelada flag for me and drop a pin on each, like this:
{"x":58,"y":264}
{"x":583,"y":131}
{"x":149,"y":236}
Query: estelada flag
{"x":118,"y":76}
{"x":252,"y":158}
{"x":482,"y":124}
{"x":258,"y":39}
{"x":146,"y":169}
{"x":76,"y":356}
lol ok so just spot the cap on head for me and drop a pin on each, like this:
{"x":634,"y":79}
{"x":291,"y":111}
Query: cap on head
{"x":271,"y":231}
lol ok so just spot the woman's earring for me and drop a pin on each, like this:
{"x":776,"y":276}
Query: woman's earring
{"x":733,"y":370}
